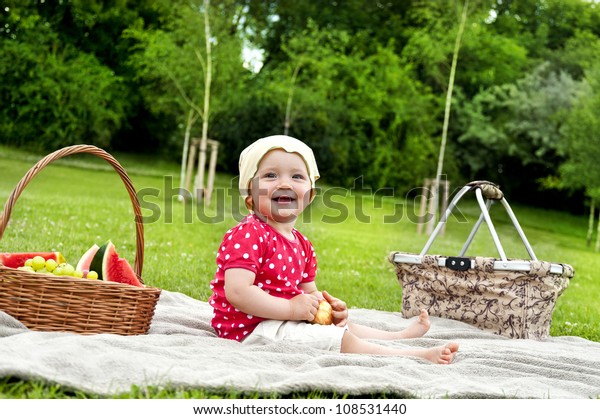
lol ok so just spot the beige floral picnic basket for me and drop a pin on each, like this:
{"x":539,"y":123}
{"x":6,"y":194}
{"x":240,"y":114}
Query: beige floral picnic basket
{"x":509,"y":297}
{"x":45,"y":302}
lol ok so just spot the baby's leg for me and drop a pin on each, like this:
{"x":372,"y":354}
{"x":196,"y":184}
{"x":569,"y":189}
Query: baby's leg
{"x":415,"y":330}
{"x":438,"y":355}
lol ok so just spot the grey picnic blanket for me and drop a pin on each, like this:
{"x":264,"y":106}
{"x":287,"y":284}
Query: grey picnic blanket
{"x":181,"y":350}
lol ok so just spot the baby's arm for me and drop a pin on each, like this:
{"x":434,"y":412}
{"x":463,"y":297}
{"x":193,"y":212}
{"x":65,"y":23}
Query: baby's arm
{"x":241,"y":292}
{"x":311,"y":288}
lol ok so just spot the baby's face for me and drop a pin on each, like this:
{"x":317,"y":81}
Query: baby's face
{"x":281,"y":188}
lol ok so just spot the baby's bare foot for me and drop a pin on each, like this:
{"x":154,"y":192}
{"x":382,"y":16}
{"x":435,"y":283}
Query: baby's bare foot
{"x":441,"y":354}
{"x":418,"y":328}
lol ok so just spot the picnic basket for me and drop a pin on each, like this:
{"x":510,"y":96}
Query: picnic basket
{"x":514,"y":298}
{"x":45,"y":302}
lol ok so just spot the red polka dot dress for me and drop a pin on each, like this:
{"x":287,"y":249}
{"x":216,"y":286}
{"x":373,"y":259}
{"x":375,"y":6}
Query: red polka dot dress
{"x":280,"y":265}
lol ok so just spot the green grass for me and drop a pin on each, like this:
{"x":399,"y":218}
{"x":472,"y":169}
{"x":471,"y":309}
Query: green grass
{"x":78,"y":201}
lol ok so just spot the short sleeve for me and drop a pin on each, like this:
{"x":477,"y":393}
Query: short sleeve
{"x":241,"y":248}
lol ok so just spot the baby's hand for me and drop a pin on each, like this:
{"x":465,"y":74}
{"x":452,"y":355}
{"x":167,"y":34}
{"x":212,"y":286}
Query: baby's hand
{"x":303,"y":307}
{"x":340,"y":310}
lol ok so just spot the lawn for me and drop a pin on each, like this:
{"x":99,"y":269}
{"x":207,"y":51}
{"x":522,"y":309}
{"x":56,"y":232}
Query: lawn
{"x":78,"y":201}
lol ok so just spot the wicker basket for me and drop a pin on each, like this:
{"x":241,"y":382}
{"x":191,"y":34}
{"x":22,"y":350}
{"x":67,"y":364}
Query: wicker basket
{"x":47,"y":302}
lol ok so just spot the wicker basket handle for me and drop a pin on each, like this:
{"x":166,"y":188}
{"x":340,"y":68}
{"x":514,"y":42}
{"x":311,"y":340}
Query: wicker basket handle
{"x":90,"y":149}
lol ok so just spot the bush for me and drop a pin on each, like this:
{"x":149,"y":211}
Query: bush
{"x":55,"y":95}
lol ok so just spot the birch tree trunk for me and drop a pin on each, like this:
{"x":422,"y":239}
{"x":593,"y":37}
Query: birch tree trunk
{"x":436,"y":189}
{"x":597,"y":248}
{"x":184,"y":156}
{"x":205,"y":114}
{"x":590,"y":231}
{"x":288,"y":107}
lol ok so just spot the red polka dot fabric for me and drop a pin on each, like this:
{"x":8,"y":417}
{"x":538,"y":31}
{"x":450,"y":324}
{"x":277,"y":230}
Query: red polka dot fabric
{"x":280,"y":265}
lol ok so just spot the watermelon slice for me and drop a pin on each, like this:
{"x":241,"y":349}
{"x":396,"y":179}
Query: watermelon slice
{"x":16,"y":260}
{"x":110,"y":267}
{"x":86,"y":259}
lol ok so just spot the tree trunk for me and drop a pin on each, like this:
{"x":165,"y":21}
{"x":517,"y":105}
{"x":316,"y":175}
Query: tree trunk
{"x":590,"y":231}
{"x":597,"y":248}
{"x":206,"y":114}
{"x":184,"y":156}
{"x":440,"y":166}
{"x":288,"y":107}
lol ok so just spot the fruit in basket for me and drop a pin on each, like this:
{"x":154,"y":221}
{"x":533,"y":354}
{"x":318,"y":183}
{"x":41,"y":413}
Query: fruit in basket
{"x":38,"y":263}
{"x":111,"y":267}
{"x":16,"y":260}
{"x":85,"y":260}
{"x":51,"y":265}
{"x":68,"y":269}
{"x":55,"y":264}
{"x":324,"y":313}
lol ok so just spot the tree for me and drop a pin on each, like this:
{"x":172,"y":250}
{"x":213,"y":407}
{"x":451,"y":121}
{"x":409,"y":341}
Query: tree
{"x":304,"y":77}
{"x":545,"y":26}
{"x":177,"y":66}
{"x":364,"y":82}
{"x":42,"y":81}
{"x":440,"y":166}
{"x":275,"y":20}
{"x":204,"y":113}
{"x":364,"y":107}
{"x":520,"y":121}
{"x":580,"y":170}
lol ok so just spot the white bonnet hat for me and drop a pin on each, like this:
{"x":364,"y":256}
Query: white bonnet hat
{"x":252,"y":155}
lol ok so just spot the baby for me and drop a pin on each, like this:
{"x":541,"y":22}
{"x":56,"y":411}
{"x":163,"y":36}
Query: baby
{"x":264,"y":288}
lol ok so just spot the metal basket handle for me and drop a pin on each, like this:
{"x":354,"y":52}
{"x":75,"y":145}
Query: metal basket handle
{"x":492,"y":193}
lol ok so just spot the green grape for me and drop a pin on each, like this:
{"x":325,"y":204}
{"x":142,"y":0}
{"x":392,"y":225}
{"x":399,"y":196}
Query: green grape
{"x":92,"y":275}
{"x":38,"y":263}
{"x":77,"y":274}
{"x":58,"y":270}
{"x":51,"y":265}
{"x":29,"y":263}
{"x":68,"y":270}
{"x":26,"y":268}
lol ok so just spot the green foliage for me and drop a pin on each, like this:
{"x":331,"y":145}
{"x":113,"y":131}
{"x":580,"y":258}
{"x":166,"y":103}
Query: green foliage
{"x":544,"y":26}
{"x":519,"y":120}
{"x":43,"y":82}
{"x":492,"y":59}
{"x":429,"y":43}
{"x":280,"y":19}
{"x":334,"y":82}
{"x":365,"y":81}
{"x":169,"y":62}
{"x":581,"y":53}
{"x":581,"y":169}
